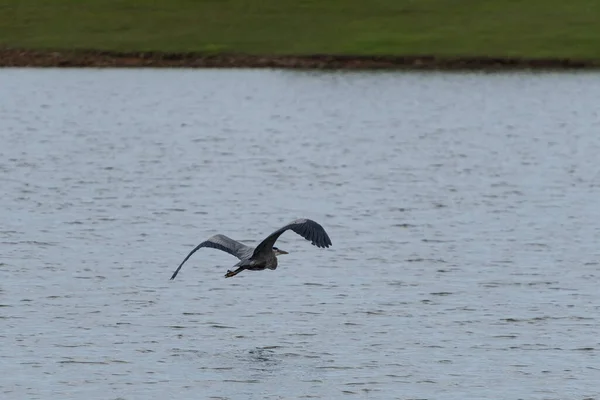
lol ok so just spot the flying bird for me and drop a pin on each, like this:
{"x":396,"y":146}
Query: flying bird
{"x":265,"y":254}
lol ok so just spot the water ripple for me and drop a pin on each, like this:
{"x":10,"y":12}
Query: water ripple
{"x":462,"y":208}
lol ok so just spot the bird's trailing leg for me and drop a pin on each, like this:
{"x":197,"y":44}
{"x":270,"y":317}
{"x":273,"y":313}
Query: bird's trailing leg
{"x":229,"y":273}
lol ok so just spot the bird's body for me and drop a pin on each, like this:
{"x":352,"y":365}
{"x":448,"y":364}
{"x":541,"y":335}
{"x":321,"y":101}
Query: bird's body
{"x":263,"y":256}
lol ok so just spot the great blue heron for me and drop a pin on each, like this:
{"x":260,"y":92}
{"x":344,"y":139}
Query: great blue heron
{"x":265,"y":254}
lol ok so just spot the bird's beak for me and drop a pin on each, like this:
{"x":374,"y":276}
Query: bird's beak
{"x":283,"y":252}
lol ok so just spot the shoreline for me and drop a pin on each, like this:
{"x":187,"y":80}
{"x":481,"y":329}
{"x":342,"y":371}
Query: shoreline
{"x":114,"y":59}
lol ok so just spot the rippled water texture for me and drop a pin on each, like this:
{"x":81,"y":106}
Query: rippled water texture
{"x":463,"y":209}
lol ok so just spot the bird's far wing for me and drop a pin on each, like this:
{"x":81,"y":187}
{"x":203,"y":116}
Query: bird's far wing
{"x":307,"y":228}
{"x":220,"y":242}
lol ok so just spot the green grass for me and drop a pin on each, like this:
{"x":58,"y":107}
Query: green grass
{"x":527,"y":28}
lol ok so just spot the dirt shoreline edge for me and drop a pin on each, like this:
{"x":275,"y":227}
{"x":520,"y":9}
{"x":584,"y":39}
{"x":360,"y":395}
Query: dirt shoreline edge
{"x":110,"y":59}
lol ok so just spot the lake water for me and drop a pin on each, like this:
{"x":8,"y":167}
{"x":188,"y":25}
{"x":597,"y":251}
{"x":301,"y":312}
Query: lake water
{"x":464,"y":211}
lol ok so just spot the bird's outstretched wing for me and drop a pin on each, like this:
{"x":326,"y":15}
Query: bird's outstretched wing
{"x":307,"y":228}
{"x":220,"y":242}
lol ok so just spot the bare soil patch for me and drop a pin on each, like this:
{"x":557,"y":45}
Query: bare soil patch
{"x":108,"y":59}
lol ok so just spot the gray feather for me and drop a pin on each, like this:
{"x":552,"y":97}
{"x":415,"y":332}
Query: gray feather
{"x":307,"y":228}
{"x":221,"y":242}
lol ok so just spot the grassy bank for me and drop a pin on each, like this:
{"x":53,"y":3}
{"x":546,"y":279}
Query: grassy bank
{"x":497,"y":28}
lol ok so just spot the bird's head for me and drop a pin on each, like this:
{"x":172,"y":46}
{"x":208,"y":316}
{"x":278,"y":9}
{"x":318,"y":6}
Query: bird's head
{"x":279,"y":252}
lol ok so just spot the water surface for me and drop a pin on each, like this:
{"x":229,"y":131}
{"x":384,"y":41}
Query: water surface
{"x":463,"y":210}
